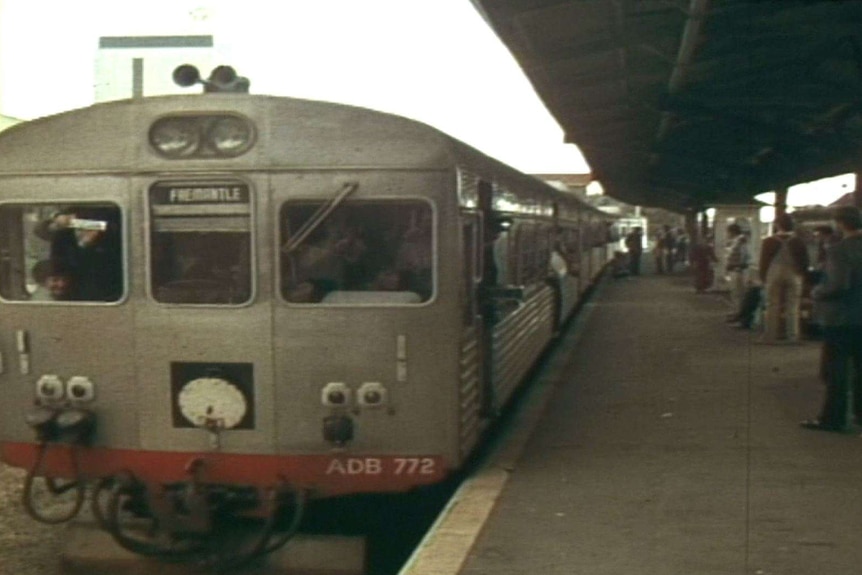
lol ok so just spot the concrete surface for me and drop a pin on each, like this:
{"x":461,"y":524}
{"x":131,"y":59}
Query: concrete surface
{"x":670,"y":445}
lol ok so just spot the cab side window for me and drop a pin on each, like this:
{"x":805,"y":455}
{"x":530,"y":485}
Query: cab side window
{"x":61,"y":253}
{"x":365,"y":252}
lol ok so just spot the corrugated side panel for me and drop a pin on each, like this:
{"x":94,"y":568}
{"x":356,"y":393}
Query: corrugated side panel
{"x":519,"y":340}
{"x":469,"y":397}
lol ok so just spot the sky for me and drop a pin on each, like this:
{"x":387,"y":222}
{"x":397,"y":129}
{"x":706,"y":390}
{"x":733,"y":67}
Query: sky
{"x":435,"y":61}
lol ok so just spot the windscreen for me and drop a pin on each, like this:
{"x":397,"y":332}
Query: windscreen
{"x":200,"y":243}
{"x":363,"y":252}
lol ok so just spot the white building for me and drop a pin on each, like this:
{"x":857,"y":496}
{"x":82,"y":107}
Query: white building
{"x":136,"y":66}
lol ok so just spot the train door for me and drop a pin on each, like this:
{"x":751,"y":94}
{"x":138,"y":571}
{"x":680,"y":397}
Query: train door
{"x":203,"y":333}
{"x":66,"y":320}
{"x":471,"y":387}
{"x":496,"y":268}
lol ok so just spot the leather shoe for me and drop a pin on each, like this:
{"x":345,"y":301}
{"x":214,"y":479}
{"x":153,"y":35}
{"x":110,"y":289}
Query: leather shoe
{"x":818,"y":425}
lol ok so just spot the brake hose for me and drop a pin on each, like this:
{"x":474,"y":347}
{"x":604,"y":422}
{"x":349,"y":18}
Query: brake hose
{"x":111,"y":519}
{"x":300,"y":498}
{"x":264,"y":544}
{"x":27,"y":497}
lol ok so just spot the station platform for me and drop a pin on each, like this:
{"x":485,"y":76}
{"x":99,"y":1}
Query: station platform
{"x":659,"y":440}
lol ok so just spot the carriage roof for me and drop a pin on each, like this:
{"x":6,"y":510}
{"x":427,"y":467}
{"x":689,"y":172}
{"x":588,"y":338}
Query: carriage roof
{"x":292,"y":134}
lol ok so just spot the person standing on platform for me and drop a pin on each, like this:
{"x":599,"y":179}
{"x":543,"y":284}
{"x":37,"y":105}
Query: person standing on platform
{"x":682,"y":247}
{"x":825,"y":238}
{"x":783,"y":267}
{"x":669,"y":248}
{"x":634,"y":245}
{"x":703,"y":259}
{"x":738,"y":261}
{"x":838,"y":299}
{"x":658,"y":252}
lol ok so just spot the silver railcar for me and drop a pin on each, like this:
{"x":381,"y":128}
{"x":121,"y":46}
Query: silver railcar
{"x":206,"y":300}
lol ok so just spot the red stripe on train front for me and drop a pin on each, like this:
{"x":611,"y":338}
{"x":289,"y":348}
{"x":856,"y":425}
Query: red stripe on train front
{"x":333,"y":474}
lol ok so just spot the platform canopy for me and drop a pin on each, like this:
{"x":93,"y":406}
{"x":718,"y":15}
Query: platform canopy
{"x":685,"y":103}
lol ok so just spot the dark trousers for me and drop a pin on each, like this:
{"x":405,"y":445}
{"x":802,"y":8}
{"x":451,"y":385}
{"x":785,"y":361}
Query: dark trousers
{"x":749,"y":304}
{"x":669,"y":260}
{"x":634,"y":262}
{"x":841,"y":366}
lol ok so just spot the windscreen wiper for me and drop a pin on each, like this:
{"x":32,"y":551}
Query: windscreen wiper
{"x":318,"y":217}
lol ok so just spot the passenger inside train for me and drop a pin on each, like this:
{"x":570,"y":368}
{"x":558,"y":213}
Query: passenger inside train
{"x":364,"y":253}
{"x":85,"y":244}
{"x":61,"y":253}
{"x":53,"y":281}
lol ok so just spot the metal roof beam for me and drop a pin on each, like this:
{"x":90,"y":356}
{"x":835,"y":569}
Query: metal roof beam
{"x":696,"y":15}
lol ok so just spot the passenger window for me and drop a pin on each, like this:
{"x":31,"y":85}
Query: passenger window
{"x":200,"y":243}
{"x":527,"y":253}
{"x":543,"y":252}
{"x":363,"y":252}
{"x":51,"y":252}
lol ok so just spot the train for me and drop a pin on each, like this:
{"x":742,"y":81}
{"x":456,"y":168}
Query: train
{"x":218,"y":306}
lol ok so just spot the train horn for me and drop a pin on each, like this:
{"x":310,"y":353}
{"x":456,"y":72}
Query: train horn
{"x":221,"y":79}
{"x":186,"y":75}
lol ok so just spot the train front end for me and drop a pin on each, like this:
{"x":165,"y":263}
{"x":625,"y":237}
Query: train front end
{"x":220,"y":306}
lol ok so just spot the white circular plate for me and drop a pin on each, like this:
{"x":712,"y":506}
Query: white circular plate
{"x":213,"y":401}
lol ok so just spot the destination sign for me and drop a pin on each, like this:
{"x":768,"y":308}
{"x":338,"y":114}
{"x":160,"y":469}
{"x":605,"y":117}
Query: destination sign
{"x":184,"y":194}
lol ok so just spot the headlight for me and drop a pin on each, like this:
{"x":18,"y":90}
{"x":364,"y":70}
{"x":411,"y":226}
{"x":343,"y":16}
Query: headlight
{"x":175,"y":137}
{"x":230,"y":136}
{"x":210,"y":136}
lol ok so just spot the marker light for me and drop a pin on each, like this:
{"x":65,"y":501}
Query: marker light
{"x":49,"y":388}
{"x":80,"y":388}
{"x":371,"y":394}
{"x":336,"y":394}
